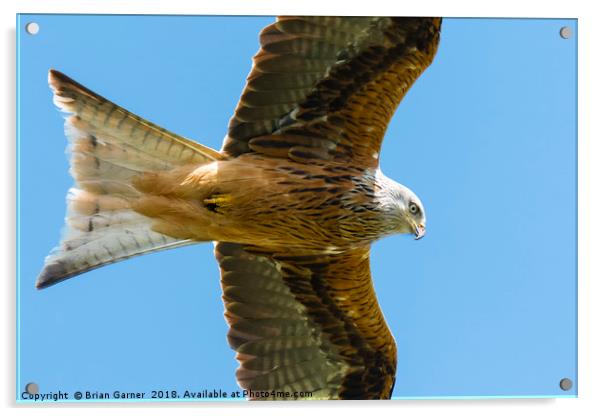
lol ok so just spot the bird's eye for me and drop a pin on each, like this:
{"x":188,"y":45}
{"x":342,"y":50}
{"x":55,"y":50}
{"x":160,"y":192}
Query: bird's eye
{"x":414,"y":208}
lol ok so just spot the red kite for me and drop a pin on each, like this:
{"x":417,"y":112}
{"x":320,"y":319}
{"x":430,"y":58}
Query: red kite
{"x":293,"y":200}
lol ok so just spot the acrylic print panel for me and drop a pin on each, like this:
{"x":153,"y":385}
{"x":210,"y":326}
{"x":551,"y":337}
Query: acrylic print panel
{"x":484,"y":305}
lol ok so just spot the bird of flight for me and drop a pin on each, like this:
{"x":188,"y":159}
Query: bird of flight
{"x":292,"y":201}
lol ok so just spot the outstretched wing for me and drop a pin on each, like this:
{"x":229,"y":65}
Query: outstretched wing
{"x":326,"y":87}
{"x":306,"y":324}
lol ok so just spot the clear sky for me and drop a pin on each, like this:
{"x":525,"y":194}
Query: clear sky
{"x":484,"y":305}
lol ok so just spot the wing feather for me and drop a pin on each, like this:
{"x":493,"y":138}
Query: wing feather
{"x":306,"y":323}
{"x":335,"y":79}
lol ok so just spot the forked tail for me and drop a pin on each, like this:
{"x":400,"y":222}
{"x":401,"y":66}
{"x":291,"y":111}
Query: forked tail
{"x":109,"y":147}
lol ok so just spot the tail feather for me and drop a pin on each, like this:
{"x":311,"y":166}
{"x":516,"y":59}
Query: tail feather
{"x":112,"y":124}
{"x":109,"y":148}
{"x":81,"y":202}
{"x":90,"y":167}
{"x":89,"y":251}
{"x":89,"y":223}
{"x":120,"y":154}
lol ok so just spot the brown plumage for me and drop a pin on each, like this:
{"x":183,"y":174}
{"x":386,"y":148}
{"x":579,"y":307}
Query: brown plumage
{"x":293,"y":200}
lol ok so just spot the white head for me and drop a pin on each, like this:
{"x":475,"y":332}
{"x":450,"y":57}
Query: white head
{"x":403,"y":210}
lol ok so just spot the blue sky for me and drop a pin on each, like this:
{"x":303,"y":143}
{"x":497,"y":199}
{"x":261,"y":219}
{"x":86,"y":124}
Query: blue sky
{"x":484,"y":305}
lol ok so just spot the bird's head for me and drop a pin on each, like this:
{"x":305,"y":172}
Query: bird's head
{"x":415,"y":217}
{"x":403,"y":209}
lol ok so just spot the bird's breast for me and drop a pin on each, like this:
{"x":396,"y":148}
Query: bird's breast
{"x":313,"y":207}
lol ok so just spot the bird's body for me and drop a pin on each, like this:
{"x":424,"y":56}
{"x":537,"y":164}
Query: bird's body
{"x":293,"y":200}
{"x":254,"y":200}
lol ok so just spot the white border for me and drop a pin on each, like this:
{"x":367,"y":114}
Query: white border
{"x":590,"y":206}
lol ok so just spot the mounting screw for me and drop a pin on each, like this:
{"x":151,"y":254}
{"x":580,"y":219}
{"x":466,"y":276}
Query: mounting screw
{"x":32,"y":388}
{"x":565,"y":32}
{"x":32,"y":28}
{"x":566,"y":384}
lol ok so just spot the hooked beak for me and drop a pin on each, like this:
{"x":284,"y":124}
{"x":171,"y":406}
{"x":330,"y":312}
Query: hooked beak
{"x":419,"y":231}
